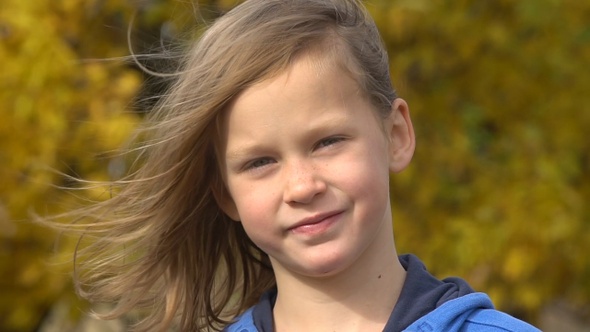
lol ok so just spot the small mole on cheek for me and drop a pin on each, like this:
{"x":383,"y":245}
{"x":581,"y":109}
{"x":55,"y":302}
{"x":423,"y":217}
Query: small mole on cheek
{"x":379,"y":277}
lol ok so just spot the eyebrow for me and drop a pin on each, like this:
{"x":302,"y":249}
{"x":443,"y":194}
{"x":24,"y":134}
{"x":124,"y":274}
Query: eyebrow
{"x":243,"y":151}
{"x":314,"y":128}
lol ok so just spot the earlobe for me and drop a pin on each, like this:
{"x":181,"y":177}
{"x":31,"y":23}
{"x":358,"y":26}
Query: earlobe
{"x":401,"y":136}
{"x":225,"y":202}
{"x":229,"y":208}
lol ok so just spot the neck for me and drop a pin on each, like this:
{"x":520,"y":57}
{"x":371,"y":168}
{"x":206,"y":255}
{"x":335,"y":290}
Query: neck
{"x":361,"y":298}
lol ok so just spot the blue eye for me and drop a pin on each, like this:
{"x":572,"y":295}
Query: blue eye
{"x":329,"y":141}
{"x":257,"y":163}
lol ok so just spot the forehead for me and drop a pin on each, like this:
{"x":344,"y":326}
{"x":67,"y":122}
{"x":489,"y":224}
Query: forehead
{"x":315,"y":66}
{"x":320,"y":59}
{"x":332,"y":53}
{"x":308,"y":96}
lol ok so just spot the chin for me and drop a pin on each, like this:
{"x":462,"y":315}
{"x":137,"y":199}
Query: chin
{"x":324,"y":267}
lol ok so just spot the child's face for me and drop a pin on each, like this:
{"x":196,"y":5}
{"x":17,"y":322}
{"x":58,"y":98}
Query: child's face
{"x":307,"y":167}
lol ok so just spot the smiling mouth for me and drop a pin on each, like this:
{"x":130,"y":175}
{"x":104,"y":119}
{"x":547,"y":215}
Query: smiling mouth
{"x":316,"y":224}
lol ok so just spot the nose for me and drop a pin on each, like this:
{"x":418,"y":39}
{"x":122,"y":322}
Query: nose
{"x":302,"y":183}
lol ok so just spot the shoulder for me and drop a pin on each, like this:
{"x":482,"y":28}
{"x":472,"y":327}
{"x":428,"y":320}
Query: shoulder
{"x":243,"y":323}
{"x":470,"y":313}
{"x":494,"y":320}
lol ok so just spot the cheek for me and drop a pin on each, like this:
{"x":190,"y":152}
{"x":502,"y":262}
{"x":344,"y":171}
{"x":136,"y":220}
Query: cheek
{"x":260,"y":222}
{"x":371,"y":185}
{"x":367,"y":172}
{"x":254,"y":217}
{"x":365,"y":179}
{"x":254,"y":205}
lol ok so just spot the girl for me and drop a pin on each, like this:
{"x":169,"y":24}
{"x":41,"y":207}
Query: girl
{"x":261,"y":201}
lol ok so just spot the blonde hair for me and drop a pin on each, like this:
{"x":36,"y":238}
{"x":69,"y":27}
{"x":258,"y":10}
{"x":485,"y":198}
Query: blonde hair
{"x":162,"y":243}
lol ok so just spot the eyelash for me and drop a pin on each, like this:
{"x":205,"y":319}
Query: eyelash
{"x":326,"y":142}
{"x":254,"y":164}
{"x":329,"y":141}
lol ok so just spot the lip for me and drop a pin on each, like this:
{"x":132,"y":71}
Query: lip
{"x":315,"y":223}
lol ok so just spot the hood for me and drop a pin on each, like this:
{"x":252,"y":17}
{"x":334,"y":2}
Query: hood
{"x":421,"y":294}
{"x":453,"y":315}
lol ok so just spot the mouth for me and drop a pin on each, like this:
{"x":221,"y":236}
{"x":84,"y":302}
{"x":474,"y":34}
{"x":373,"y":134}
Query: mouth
{"x":316,"y":223}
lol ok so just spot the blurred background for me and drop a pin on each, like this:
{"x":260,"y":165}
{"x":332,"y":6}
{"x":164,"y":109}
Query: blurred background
{"x":497,"y":193}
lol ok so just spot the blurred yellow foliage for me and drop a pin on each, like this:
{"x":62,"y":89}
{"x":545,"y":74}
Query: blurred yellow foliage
{"x":60,"y":111}
{"x":499,"y":186}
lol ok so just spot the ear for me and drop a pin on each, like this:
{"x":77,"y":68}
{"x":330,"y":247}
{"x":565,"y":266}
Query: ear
{"x":224,"y":200}
{"x":402,"y":140}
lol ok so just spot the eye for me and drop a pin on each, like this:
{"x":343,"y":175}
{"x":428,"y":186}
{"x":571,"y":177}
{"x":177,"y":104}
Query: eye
{"x":329,"y":141}
{"x":258,"y":163}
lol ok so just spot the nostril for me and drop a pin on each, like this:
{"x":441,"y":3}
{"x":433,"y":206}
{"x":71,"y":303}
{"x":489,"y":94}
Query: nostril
{"x":303,"y":189}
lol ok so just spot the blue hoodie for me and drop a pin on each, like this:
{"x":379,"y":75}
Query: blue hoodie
{"x":426,"y":304}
